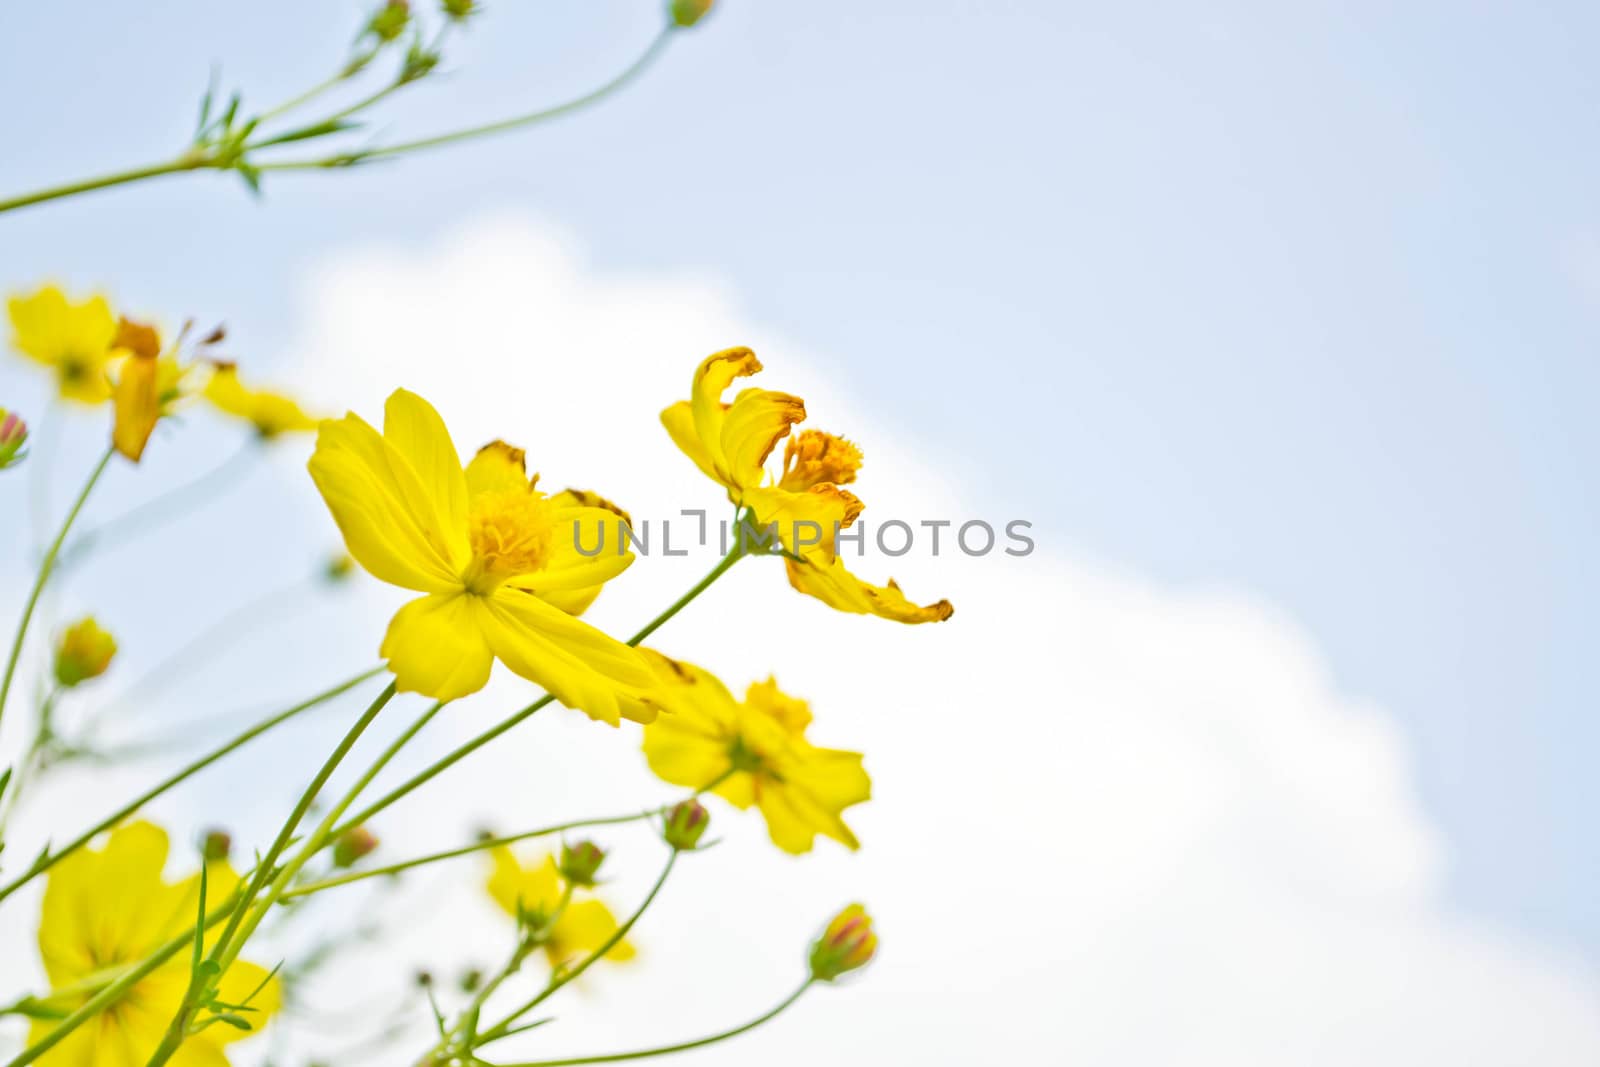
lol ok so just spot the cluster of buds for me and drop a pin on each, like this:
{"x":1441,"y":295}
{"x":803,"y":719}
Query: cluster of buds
{"x":580,"y":863}
{"x":685,"y":825}
{"x":84,"y":652}
{"x":847,"y":944}
{"x":356,"y":843}
{"x":13,"y":436}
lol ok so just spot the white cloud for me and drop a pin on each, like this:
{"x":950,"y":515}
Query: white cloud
{"x":1115,"y":823}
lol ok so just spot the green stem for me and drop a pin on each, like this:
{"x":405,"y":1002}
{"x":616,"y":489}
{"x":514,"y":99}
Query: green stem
{"x":562,"y":978}
{"x":633,"y":70}
{"x":469,"y":747}
{"x":265,"y":867}
{"x":50,"y":859}
{"x":153,"y":513}
{"x":45,"y":567}
{"x":665,"y":1050}
{"x":185,"y":162}
{"x":465,"y":850}
{"x":324,"y":833}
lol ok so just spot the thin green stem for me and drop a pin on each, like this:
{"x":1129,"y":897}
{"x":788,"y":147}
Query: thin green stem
{"x":45,"y":567}
{"x":632,"y":71}
{"x":467,"y":748}
{"x":173,"y":504}
{"x":186,"y":162}
{"x":324,"y":833}
{"x":465,"y":850}
{"x":241,"y":619}
{"x":265,"y":868}
{"x":666,"y":1050}
{"x":51,"y":858}
{"x":562,"y":978}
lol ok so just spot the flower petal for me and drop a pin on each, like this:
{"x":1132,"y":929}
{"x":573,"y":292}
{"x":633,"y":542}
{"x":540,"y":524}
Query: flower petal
{"x":752,"y":428}
{"x":582,"y":929}
{"x":571,"y":660}
{"x":807,"y":523}
{"x":371,"y":492}
{"x":679,"y":421}
{"x":834,"y":585}
{"x":495,"y":468}
{"x":417,"y":432}
{"x":572,"y":578}
{"x":435,"y":646}
{"x":711,"y":379}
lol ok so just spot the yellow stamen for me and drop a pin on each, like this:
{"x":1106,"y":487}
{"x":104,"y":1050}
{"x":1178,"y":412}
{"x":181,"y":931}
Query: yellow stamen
{"x":512,"y":532}
{"x":815,"y":458}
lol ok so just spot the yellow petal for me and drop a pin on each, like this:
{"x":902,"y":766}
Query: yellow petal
{"x":435,"y":646}
{"x":243,"y":979}
{"x":817,"y":786}
{"x":679,"y":421}
{"x":371,"y":493}
{"x":752,"y":427}
{"x":834,"y":585}
{"x":417,"y":432}
{"x":535,"y":888}
{"x":136,"y":402}
{"x":582,"y":929}
{"x":497,"y":467}
{"x":806,"y":523}
{"x":580,"y":666}
{"x":711,"y":379}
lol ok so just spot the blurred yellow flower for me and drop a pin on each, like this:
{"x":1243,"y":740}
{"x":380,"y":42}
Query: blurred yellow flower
{"x":536,"y":891}
{"x":805,"y":503}
{"x":271,"y":414}
{"x":73,"y":340}
{"x":757,"y":754}
{"x":108,"y":909}
{"x":496,"y":559}
{"x":84,"y":652}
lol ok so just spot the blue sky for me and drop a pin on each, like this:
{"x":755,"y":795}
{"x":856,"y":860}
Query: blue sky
{"x":1300,"y":299}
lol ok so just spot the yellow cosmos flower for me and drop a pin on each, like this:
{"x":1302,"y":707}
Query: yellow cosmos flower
{"x":536,"y":891}
{"x":805,"y":502}
{"x":271,"y":414}
{"x":108,"y":909}
{"x":758,"y":755}
{"x":75,"y":340}
{"x":496,"y":559}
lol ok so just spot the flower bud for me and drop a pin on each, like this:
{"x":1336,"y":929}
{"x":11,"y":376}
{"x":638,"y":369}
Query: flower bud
{"x":13,"y":435}
{"x":688,"y":12}
{"x":459,"y":10}
{"x":338,"y":567}
{"x":848,"y":943}
{"x":216,"y":845}
{"x":686,"y":824}
{"x":581,"y":862}
{"x":84,"y":652}
{"x":390,"y":20}
{"x":353,"y":845}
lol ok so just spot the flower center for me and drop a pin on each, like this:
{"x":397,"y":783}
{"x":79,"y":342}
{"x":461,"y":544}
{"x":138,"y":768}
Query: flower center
{"x":512,"y":532}
{"x":815,"y":458}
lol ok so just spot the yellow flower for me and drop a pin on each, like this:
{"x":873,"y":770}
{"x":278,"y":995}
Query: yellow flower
{"x":85,"y":652}
{"x":758,"y":754}
{"x":74,"y":340}
{"x":805,"y":503}
{"x":108,"y":909}
{"x":496,"y":560}
{"x":272,"y":414}
{"x":536,"y":891}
